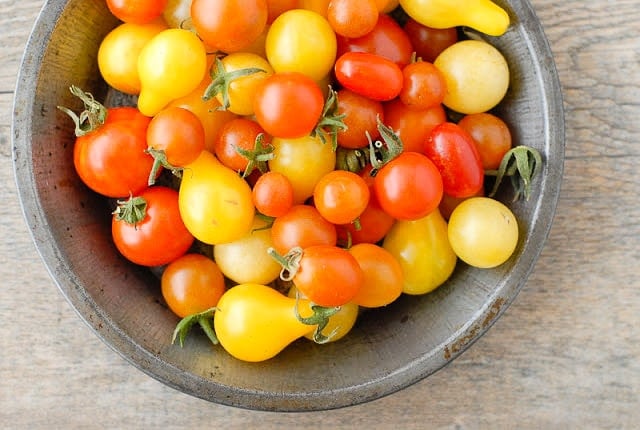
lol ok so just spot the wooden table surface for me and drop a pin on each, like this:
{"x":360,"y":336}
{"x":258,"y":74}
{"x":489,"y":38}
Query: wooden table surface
{"x":566,"y":354}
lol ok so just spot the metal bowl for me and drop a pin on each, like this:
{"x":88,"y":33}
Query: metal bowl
{"x":388,"y":349}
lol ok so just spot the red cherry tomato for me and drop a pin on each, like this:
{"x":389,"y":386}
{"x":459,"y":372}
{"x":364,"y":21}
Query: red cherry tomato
{"x":413,"y":126}
{"x":491,"y":135}
{"x":387,"y":39}
{"x":409,"y":186}
{"x":360,"y":117}
{"x":136,"y":11}
{"x":230,"y":25}
{"x":328,"y":275}
{"x":111,"y":160}
{"x":288,"y":105}
{"x":273,"y":194}
{"x":423,"y":86}
{"x":369,"y":75}
{"x":455,"y":154}
{"x":302,"y":226}
{"x":160,"y":236}
{"x":429,"y":42}
{"x":191,"y":284}
{"x":341,"y":196}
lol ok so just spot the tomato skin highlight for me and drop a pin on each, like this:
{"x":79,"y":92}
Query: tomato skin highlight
{"x":454,"y":153}
{"x":160,"y":237}
{"x":369,"y":75}
{"x":409,"y":186}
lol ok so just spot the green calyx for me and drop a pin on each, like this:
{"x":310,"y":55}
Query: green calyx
{"x":352,"y":160}
{"x":203,"y":319}
{"x":91,"y":118}
{"x":131,"y":211}
{"x":221,"y":80}
{"x":257,"y":157}
{"x":521,"y":164}
{"x":331,"y":122}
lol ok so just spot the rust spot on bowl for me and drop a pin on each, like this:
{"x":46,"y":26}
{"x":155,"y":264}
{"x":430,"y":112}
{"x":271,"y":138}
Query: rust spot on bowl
{"x":475,"y":330}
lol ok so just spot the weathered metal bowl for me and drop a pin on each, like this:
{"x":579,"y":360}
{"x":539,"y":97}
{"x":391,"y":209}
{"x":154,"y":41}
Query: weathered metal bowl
{"x":389,"y":348}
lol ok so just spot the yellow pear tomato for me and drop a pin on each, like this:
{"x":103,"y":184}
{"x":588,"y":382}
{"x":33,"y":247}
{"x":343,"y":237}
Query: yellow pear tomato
{"x":171,"y":65}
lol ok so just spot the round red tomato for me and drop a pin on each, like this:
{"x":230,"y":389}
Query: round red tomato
{"x":429,"y":42}
{"x":328,"y":275}
{"x":387,"y":39}
{"x":288,"y":105}
{"x":360,"y":117}
{"x":192,"y":284}
{"x":136,"y":11}
{"x":341,"y":196}
{"x":409,"y":186}
{"x":369,"y":75}
{"x":491,"y":135}
{"x":111,"y":160}
{"x":455,"y":154}
{"x":302,"y":226}
{"x":413,"y":126}
{"x":230,"y":25}
{"x":148,"y":229}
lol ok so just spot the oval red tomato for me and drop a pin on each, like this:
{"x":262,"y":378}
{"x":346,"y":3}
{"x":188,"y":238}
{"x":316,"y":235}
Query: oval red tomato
{"x":370,"y":75}
{"x":454,"y":153}
{"x":160,"y":236}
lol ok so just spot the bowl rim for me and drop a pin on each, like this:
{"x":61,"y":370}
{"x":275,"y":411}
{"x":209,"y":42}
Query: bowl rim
{"x":106,"y":329}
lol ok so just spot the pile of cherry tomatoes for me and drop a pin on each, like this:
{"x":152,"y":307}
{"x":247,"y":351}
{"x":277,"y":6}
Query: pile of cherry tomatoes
{"x":288,"y":163}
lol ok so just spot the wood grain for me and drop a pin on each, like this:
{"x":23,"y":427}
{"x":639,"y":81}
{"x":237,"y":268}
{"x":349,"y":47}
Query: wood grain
{"x":564,"y":355}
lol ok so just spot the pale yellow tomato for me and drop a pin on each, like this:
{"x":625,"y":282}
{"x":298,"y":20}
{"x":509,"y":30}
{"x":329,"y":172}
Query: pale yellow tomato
{"x":119,"y":51}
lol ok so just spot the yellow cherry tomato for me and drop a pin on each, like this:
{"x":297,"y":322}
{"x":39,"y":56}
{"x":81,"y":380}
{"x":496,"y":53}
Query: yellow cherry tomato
{"x":246,"y":260}
{"x":215,"y":202}
{"x":303,"y":161}
{"x":119,"y":51}
{"x":254,"y":322}
{"x":422,"y":248}
{"x":171,"y":65}
{"x":302,"y":41}
{"x":476,"y":75}
{"x":483,"y":232}
{"x":241,"y":89}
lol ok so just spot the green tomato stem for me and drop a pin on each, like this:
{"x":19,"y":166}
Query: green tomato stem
{"x":91,"y":118}
{"x":521,"y":164}
{"x":320,"y":319}
{"x":290,"y":262}
{"x":221,"y":80}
